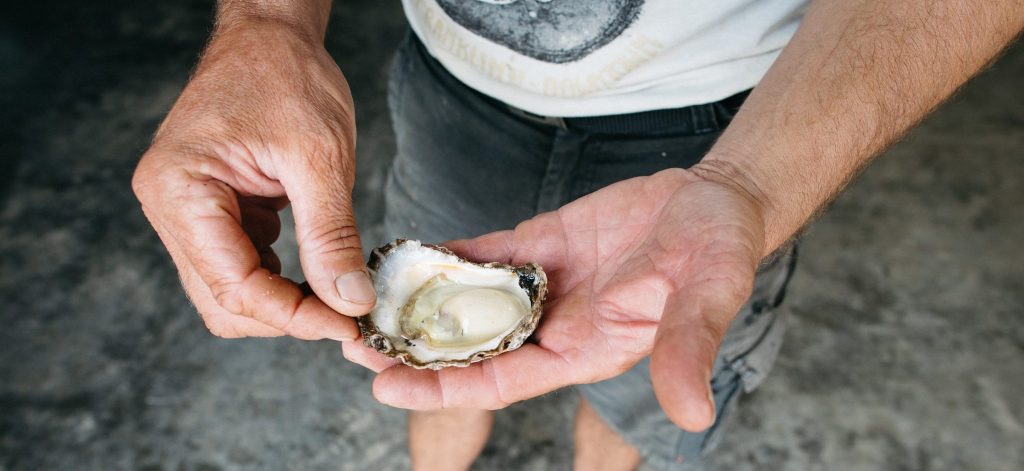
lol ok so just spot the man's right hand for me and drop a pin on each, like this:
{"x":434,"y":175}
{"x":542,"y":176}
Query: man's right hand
{"x":266,"y":120}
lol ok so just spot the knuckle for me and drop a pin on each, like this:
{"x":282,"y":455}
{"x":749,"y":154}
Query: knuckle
{"x":227,"y":297}
{"x":221,"y":328}
{"x":727,"y":291}
{"x":139,"y":183}
{"x":501,"y":398}
{"x":334,"y":239}
{"x":291,"y":329}
{"x":709,"y":336}
{"x":143,"y":179}
{"x":157,"y":178}
{"x":348,"y":354}
{"x":222,"y":332}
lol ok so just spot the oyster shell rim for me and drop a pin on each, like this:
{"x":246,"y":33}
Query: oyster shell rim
{"x":381,"y":342}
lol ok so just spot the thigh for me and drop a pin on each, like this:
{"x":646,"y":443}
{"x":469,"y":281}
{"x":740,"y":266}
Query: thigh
{"x":463,"y":167}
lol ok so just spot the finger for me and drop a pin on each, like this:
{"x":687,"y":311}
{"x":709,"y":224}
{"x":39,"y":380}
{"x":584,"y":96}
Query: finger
{"x":219,"y":322}
{"x":492,"y":384}
{"x":493,"y":247}
{"x":685,"y":347}
{"x":205,"y":224}
{"x":262,"y":224}
{"x":540,"y":240}
{"x":231,"y":326}
{"x":325,"y":227}
{"x":270,"y":260}
{"x":365,"y":356}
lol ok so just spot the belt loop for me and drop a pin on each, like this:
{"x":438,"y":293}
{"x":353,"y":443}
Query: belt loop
{"x":707,"y":117}
{"x":536,"y":118}
{"x":695,"y":121}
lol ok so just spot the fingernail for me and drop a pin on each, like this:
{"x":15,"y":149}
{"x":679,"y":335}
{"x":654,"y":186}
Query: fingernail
{"x":355,"y":287}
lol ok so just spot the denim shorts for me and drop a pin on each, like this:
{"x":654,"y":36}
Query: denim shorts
{"x":468,"y":165}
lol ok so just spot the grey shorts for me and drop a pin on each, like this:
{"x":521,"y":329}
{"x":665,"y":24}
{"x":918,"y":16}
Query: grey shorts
{"x":468,"y":165}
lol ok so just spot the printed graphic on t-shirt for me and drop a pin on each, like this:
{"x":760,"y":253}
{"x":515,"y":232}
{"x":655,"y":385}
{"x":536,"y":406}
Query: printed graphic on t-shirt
{"x":598,"y":57}
{"x":555,"y":31}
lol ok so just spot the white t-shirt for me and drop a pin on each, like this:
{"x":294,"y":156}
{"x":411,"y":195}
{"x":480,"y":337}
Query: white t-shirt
{"x":598,"y":57}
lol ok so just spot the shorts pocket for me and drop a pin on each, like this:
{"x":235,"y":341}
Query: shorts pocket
{"x":741,"y":376}
{"x":727,"y":398}
{"x":755,"y":337}
{"x":727,"y":388}
{"x":754,"y":366}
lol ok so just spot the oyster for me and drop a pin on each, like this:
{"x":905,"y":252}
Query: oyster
{"x":435,"y":309}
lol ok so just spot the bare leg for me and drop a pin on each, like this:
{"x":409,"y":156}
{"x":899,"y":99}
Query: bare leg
{"x":447,"y":440}
{"x":598,"y":447}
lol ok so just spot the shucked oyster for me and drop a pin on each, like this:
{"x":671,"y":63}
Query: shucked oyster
{"x":435,"y":309}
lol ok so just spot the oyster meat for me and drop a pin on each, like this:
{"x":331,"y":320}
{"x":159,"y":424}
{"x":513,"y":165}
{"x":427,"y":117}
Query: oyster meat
{"x":435,"y":309}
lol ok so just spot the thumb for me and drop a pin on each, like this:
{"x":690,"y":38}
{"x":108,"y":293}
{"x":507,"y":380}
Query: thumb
{"x":329,"y":246}
{"x":684,"y":351}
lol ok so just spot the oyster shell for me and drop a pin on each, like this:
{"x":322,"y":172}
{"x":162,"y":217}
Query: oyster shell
{"x":435,"y":309}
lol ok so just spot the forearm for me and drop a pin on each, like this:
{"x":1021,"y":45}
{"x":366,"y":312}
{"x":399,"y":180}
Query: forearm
{"x":306,"y":16}
{"x":855,"y":77}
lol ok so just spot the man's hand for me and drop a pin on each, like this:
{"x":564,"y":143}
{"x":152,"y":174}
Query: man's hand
{"x":656,"y":264}
{"x":266,"y":120}
{"x":662,"y":264}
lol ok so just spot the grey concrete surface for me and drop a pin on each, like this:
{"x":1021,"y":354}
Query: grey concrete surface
{"x":906,"y":345}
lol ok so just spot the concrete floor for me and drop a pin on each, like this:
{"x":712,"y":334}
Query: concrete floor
{"x":906,"y":345}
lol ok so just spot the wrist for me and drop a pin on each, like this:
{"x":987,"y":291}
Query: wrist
{"x":301,"y":18}
{"x":246,"y":39}
{"x":740,"y":175}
